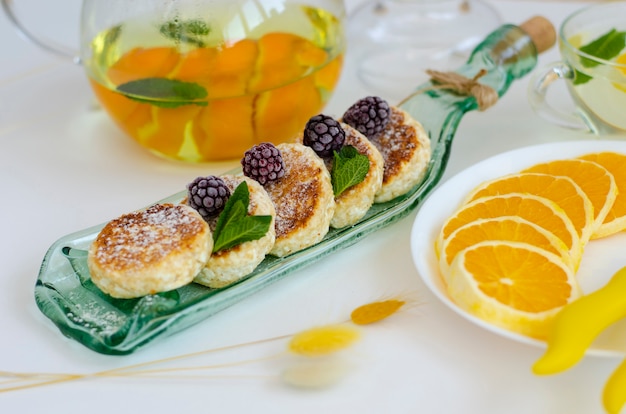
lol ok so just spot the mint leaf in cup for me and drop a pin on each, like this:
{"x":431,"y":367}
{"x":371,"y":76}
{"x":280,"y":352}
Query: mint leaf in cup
{"x":163,"y":92}
{"x":234,"y":225}
{"x":349,"y":168}
{"x":605,"y":47}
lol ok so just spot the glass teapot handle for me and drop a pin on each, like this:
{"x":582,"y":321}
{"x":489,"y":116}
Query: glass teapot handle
{"x":44,"y":43}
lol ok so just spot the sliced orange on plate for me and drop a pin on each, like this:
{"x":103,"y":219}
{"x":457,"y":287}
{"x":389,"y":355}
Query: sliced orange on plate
{"x":504,"y":283}
{"x":561,"y":190}
{"x":595,"y":181}
{"x":505,"y":228}
{"x":537,"y":210}
{"x":615,"y":220}
{"x":510,"y":252}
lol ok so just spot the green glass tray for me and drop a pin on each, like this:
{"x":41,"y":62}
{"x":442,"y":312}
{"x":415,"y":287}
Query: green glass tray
{"x":65,"y":293}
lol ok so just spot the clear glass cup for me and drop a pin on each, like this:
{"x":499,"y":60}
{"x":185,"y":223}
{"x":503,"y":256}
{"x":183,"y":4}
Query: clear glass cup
{"x":205,"y":80}
{"x":592,"y":44}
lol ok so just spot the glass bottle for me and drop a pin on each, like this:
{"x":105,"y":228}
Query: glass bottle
{"x":507,"y":54}
{"x":66,"y":295}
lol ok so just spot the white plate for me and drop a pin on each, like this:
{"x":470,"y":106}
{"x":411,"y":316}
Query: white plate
{"x":601,"y":259}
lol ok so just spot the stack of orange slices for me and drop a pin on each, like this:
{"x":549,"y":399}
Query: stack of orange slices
{"x":509,"y":254}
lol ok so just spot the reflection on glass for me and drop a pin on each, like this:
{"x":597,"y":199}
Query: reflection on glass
{"x":394,"y":41}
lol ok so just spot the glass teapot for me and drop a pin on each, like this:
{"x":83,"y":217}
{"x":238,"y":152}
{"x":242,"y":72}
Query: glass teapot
{"x":205,"y":80}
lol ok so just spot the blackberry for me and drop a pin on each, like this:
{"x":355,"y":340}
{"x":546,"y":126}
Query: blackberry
{"x":369,"y":115}
{"x":208,"y":195}
{"x":263,"y":163}
{"x":324,"y":134}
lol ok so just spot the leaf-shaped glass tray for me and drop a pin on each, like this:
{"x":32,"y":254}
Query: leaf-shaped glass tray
{"x":65,"y":293}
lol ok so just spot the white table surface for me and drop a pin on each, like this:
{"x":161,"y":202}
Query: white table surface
{"x":64,"y":167}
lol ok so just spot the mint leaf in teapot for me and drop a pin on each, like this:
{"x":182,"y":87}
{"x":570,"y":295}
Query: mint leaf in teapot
{"x":605,"y":47}
{"x":234,"y":225}
{"x":186,"y":31}
{"x":163,"y":92}
{"x":349,"y":168}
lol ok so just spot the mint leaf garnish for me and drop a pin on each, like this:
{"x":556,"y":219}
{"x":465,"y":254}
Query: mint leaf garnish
{"x":245,"y":229}
{"x":580,"y":78}
{"x":186,"y":31}
{"x":234,"y":225}
{"x":349,"y":168}
{"x":163,"y":92}
{"x":241,"y":194}
{"x":605,"y":47}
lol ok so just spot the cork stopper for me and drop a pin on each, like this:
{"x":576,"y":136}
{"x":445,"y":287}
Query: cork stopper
{"x":541,"y":31}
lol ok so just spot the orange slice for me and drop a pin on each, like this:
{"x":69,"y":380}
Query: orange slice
{"x":273,"y":123}
{"x":595,"y":180}
{"x":513,"y":285}
{"x":283,"y":58}
{"x":197,"y":66}
{"x":231,"y":69}
{"x":282,"y":82}
{"x":505,"y":228}
{"x":535,"y":209}
{"x":561,"y":190}
{"x":139,"y":63}
{"x":167,"y":132}
{"x":615,"y":163}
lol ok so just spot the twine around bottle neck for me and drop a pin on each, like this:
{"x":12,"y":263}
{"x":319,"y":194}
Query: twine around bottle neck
{"x":485,"y":95}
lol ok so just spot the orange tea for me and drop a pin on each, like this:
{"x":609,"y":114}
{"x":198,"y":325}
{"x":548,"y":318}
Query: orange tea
{"x":206,"y":89}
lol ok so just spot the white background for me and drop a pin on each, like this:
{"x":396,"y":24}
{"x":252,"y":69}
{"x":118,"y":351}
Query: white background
{"x":64,"y":167}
